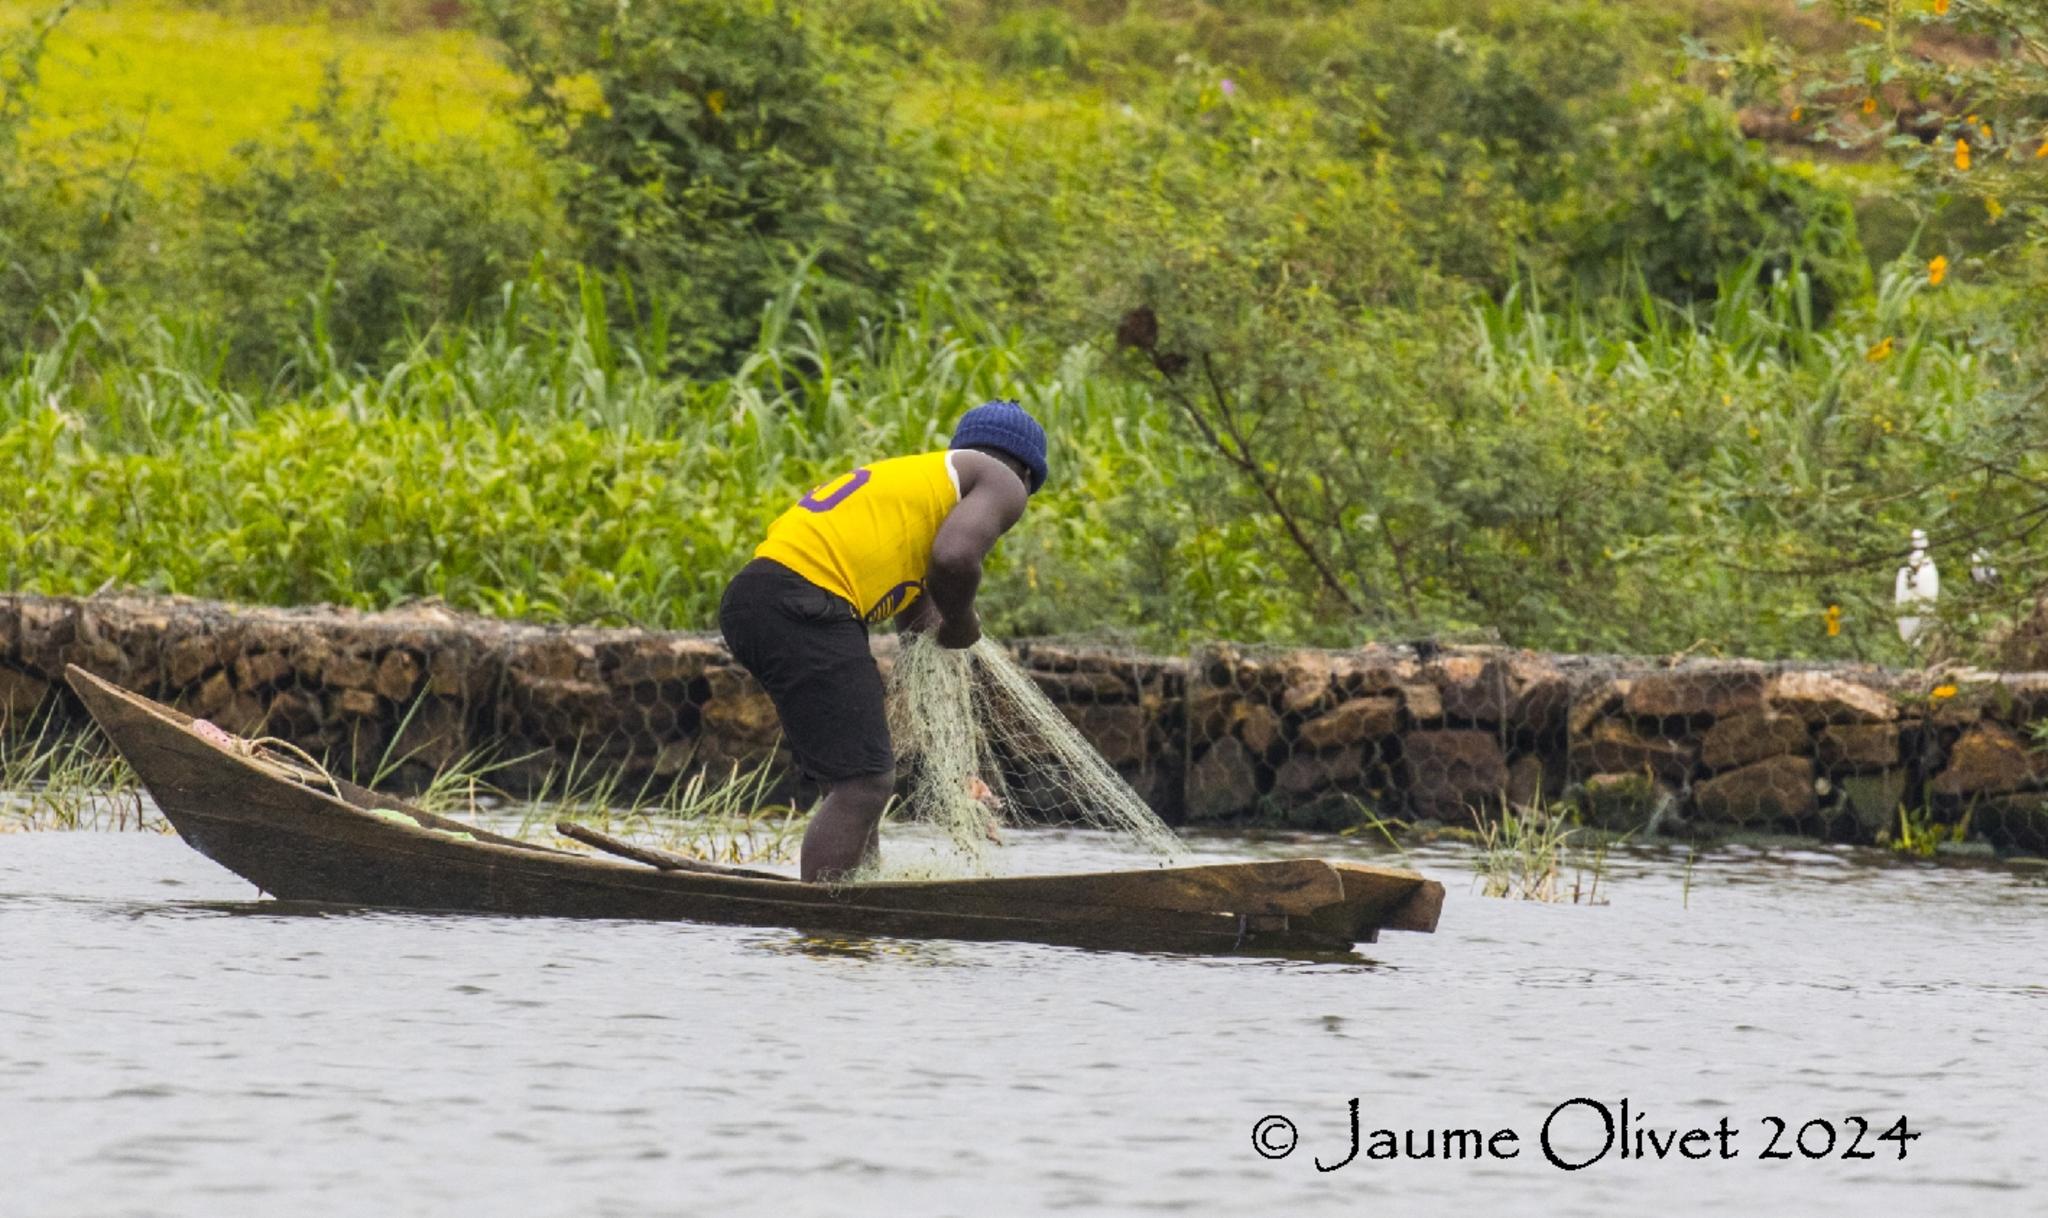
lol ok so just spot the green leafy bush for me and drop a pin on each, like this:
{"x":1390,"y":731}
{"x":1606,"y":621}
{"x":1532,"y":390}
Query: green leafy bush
{"x":57,"y":224}
{"x":334,"y":233}
{"x":731,"y":140}
{"x":1033,"y":38}
{"x":1420,"y":457}
{"x":1694,"y":201}
{"x":1954,"y":95}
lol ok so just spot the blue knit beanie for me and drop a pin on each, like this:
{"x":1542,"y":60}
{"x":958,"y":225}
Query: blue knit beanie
{"x":1006,"y":427}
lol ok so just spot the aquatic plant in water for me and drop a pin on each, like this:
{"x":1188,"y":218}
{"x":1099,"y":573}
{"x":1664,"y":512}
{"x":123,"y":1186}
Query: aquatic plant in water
{"x":51,"y":779}
{"x":728,"y":820}
{"x":1524,"y":855}
{"x":723,"y":820}
{"x":1920,"y":833}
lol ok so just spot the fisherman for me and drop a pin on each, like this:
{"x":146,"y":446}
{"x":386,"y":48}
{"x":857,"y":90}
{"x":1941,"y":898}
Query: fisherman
{"x":902,"y":538}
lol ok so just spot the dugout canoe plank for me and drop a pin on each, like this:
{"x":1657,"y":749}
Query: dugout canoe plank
{"x":304,"y":838}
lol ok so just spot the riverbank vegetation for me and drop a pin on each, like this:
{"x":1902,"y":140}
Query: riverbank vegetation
{"x":53,"y":779}
{"x":1349,"y":321}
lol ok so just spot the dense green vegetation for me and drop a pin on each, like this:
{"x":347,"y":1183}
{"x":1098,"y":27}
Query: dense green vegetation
{"x":1349,"y":320}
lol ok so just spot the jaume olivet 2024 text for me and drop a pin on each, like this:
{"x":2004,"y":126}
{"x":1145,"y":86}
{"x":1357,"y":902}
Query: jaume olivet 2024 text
{"x":1581,"y":1133}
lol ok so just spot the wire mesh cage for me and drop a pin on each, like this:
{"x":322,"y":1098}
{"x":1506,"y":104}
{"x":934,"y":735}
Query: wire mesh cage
{"x":1227,"y":735}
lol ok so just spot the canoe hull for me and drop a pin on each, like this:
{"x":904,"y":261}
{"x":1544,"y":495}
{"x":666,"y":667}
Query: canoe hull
{"x":300,"y":843}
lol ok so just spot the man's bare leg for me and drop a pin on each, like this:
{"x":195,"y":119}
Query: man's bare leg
{"x":847,"y":827}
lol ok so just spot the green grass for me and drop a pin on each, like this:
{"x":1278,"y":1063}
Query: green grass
{"x":1525,"y":853}
{"x":51,"y":779}
{"x":535,"y":467}
{"x":552,"y":478}
{"x":181,"y":85}
{"x":720,"y":821}
{"x":724,"y":819}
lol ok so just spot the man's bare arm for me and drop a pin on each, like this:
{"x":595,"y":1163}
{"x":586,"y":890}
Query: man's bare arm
{"x":992,"y":498}
{"x":922,"y":615}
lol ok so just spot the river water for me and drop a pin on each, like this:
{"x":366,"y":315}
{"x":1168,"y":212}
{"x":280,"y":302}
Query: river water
{"x":163,"y":1055}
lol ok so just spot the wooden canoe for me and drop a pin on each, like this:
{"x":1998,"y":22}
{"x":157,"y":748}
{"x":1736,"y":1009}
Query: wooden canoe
{"x":301,"y":837}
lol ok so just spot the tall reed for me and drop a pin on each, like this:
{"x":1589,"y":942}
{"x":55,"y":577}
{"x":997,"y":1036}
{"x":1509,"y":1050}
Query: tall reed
{"x":1603,"y":479}
{"x":53,"y":779}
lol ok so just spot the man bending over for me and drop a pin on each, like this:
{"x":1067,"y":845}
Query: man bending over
{"x":902,"y":538}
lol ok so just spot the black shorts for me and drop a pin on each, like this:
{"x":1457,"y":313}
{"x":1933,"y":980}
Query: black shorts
{"x":809,"y":650}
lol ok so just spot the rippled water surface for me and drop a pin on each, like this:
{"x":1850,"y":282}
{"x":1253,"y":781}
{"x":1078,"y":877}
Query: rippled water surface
{"x":162,"y":1055}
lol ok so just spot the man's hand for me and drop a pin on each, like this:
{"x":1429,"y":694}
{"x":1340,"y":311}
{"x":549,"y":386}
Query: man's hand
{"x":959,"y":632}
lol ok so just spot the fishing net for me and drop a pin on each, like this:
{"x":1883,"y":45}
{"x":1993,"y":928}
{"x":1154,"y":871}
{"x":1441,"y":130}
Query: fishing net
{"x":983,"y":747}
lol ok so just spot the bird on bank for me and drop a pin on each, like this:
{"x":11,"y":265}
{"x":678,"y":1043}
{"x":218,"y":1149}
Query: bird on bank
{"x":1915,"y":589}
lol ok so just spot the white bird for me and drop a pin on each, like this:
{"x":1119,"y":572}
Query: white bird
{"x":1981,"y":569}
{"x":1917,"y":587}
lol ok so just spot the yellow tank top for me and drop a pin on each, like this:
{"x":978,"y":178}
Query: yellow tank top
{"x":867,"y":535}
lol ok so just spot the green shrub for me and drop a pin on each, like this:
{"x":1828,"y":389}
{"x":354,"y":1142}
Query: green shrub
{"x":732,"y":141}
{"x":1953,"y":95}
{"x":57,"y":224}
{"x":1526,"y":98}
{"x":1418,"y":457}
{"x":333,"y":234}
{"x":1694,"y":201}
{"x":1033,"y":38}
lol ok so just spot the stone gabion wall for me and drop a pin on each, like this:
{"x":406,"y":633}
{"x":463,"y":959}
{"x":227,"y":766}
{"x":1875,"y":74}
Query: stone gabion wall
{"x":1226,"y":735}
{"x":1701,"y":746}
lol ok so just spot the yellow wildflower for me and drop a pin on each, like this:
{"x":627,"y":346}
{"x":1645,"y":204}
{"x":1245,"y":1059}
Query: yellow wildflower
{"x":714,"y":101}
{"x":1962,"y":155}
{"x":1993,"y":208}
{"x":1799,"y":112}
{"x":1984,"y":129}
{"x":1941,"y":8}
{"x":1881,"y":352}
{"x":1937,"y":270}
{"x":1942,"y":693}
{"x":1833,"y":618}
{"x":1870,"y":105}
{"x":1871,"y":23}
{"x":2042,"y":150}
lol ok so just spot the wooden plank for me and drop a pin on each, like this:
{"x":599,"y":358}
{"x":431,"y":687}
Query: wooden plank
{"x":1274,"y":886}
{"x":666,"y":860}
{"x":1402,"y":900}
{"x":363,"y":797}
